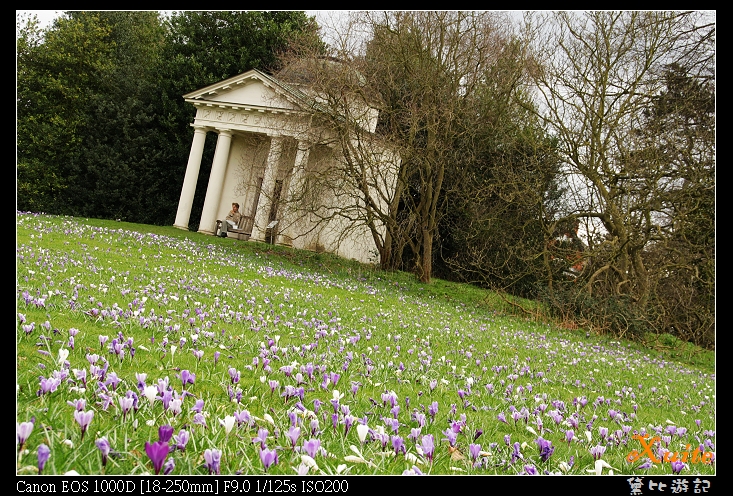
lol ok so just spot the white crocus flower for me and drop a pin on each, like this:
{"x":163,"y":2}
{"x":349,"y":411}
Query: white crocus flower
{"x":600,"y":465}
{"x":150,"y":393}
{"x":175,"y":406}
{"x":63,"y":355}
{"x":308,"y":461}
{"x":362,"y":430}
{"x":228,"y":423}
{"x":336,"y":395}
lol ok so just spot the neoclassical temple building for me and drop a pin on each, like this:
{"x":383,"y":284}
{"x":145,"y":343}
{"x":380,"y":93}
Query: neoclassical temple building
{"x":265,"y":151}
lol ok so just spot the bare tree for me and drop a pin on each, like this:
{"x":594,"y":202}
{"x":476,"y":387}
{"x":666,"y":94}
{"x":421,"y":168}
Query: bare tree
{"x":599,"y":76}
{"x":417,"y":71}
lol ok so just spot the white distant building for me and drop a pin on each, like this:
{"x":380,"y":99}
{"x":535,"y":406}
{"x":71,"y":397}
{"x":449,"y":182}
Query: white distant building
{"x":264,"y":155}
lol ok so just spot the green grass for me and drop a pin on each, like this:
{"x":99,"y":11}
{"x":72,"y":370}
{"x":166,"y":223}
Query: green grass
{"x":344,"y":329}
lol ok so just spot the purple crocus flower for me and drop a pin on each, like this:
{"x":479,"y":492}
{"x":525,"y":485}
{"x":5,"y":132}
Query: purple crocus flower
{"x":198,"y":406}
{"x":181,"y":439}
{"x":314,"y":427}
{"x":243,"y":417}
{"x":312,"y":446}
{"x":546,"y":448}
{"x":126,"y":403}
{"x":597,"y":451}
{"x":104,"y":446}
{"x":84,"y":419}
{"x":398,"y":444}
{"x":199,"y":419}
{"x":677,"y":466}
{"x":22,"y":432}
{"x":268,"y":457}
{"x":433,"y":410}
{"x":293,"y":434}
{"x":569,"y":435}
{"x":212,"y":457}
{"x":43,"y":453}
{"x":428,"y":446}
{"x":474,"y":450}
{"x":261,"y":437}
{"x":450,"y":436}
{"x":646,"y":465}
{"x":169,"y":466}
{"x":516,"y":454}
{"x":165,"y":432}
{"x":414,"y":434}
{"x":530,"y":470}
{"x":603,"y":431}
{"x":187,"y":377}
{"x":157,"y":452}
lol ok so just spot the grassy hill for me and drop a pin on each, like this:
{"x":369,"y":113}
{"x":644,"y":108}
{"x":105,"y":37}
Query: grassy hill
{"x":264,"y":359}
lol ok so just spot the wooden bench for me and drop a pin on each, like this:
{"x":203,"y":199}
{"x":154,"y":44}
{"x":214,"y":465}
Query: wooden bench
{"x":242,"y":234}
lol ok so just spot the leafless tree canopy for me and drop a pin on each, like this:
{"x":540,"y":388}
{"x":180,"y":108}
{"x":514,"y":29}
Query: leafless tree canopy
{"x":575,"y":156}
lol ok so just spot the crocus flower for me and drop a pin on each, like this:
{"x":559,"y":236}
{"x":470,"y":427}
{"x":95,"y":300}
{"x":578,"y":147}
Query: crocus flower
{"x":212,"y":457}
{"x":677,"y":466}
{"x":415,"y":470}
{"x":450,"y":436}
{"x":398,"y":444}
{"x":165,"y":432}
{"x":293,"y":434}
{"x":104,"y":446}
{"x":22,"y":432}
{"x":268,"y":457}
{"x":546,"y":448}
{"x":428,"y":446}
{"x":150,"y":392}
{"x":228,"y":423}
{"x":43,"y":453}
{"x":169,"y":466}
{"x":84,"y":419}
{"x":198,"y":406}
{"x":312,"y":446}
{"x":597,"y":451}
{"x":199,"y":419}
{"x":157,"y":452}
{"x":181,"y":439}
{"x":187,"y":377}
{"x":530,"y":470}
{"x":261,"y":437}
{"x":126,"y":403}
{"x":474,"y":450}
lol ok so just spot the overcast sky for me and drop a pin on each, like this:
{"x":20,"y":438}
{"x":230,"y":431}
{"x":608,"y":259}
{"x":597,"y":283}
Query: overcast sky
{"x":46,"y":17}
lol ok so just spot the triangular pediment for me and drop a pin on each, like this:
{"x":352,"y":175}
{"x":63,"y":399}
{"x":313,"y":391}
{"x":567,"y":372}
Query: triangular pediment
{"x":249,"y":89}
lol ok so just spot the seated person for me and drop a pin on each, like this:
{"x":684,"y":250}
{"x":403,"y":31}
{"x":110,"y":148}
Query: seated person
{"x":232,"y":221}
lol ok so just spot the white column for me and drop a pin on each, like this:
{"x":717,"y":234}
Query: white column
{"x":294,"y":188}
{"x":189,"y":181}
{"x":268,"y":188}
{"x":216,"y":182}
